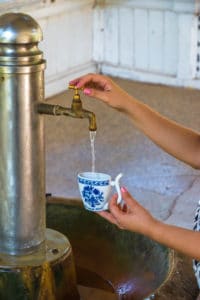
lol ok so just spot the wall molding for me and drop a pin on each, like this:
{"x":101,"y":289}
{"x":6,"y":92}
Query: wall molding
{"x":41,"y":9}
{"x":18,"y":5}
{"x":57,"y":8}
{"x":182,"y":6}
{"x":149,"y":77}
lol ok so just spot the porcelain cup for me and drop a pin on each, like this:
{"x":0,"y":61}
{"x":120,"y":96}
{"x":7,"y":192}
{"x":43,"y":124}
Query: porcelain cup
{"x":95,"y":189}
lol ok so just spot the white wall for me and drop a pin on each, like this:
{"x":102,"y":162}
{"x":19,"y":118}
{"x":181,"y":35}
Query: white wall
{"x":148,"y":40}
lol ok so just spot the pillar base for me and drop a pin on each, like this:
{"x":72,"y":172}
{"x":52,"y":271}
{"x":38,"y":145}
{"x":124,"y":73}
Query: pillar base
{"x":48,"y":274}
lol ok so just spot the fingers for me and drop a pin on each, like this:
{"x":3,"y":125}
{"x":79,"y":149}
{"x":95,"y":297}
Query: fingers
{"x":128,"y":199}
{"x":116,"y":209}
{"x":94,"y":85}
{"x":95,"y":93}
{"x":118,"y":213}
{"x":93,"y":81}
{"x":108,"y":216}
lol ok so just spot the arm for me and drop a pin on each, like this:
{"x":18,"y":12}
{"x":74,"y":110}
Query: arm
{"x":179,"y":141}
{"x":136,"y":218}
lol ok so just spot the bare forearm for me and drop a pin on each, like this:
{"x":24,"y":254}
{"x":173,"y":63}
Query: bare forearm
{"x":180,"y":239}
{"x":181,"y":142}
{"x":136,"y":218}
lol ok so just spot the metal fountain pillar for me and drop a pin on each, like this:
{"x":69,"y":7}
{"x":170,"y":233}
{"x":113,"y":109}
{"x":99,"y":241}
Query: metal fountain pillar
{"x":35,"y":262}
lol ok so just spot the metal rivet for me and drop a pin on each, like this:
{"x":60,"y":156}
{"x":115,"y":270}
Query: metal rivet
{"x":55,"y":251}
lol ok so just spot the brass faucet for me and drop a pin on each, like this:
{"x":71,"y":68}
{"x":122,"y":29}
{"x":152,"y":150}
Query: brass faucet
{"x":76,"y":110}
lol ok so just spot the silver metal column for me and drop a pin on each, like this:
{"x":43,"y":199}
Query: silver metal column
{"x":22,"y":178}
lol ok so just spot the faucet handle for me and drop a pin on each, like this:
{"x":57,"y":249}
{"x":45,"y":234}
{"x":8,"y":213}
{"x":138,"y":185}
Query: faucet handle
{"x":73,"y":87}
{"x":76,"y":92}
{"x":76,"y":102}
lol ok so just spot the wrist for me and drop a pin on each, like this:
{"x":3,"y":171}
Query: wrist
{"x":153,"y":229}
{"x":125,"y":104}
{"x":130,"y":105}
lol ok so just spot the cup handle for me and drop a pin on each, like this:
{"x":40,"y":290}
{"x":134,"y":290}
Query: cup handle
{"x":105,"y":206}
{"x":117,"y":186}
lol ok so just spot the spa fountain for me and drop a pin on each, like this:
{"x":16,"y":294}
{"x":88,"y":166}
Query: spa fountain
{"x":39,"y":262}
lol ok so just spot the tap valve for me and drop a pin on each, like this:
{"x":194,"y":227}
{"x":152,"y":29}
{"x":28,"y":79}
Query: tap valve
{"x":76,"y":105}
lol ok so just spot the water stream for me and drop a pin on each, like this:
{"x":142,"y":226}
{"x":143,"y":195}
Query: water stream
{"x":92,"y":142}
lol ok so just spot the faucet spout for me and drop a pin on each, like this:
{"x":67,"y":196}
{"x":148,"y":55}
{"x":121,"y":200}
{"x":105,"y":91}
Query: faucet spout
{"x":92,"y":119}
{"x":75,"y":111}
{"x":57,"y":110}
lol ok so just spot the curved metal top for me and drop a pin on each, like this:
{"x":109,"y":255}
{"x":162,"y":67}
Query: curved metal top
{"x":19,"y":28}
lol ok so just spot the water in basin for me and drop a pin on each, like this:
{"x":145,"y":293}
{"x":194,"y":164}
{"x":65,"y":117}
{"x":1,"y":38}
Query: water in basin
{"x":120,"y":263}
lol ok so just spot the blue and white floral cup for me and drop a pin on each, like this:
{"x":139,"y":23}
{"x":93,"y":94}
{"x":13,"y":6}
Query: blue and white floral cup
{"x":95,"y":189}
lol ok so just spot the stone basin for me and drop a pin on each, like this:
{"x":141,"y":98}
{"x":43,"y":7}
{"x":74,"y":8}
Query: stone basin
{"x":118,"y":263}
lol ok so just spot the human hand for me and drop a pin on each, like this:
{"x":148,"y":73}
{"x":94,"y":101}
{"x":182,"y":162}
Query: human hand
{"x":103,"y":88}
{"x":131,"y":216}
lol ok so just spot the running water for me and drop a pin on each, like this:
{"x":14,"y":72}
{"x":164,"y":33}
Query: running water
{"x":92,"y":140}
